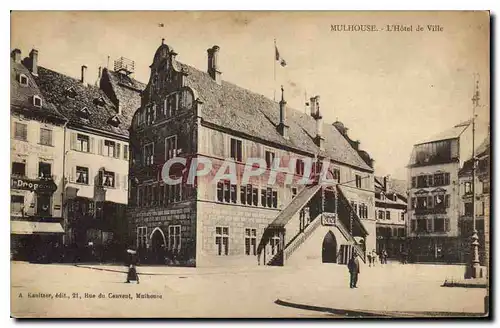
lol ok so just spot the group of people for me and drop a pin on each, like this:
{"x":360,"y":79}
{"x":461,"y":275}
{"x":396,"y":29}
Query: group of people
{"x":372,"y":257}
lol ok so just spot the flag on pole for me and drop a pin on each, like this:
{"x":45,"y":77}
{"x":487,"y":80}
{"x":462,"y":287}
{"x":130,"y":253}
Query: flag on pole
{"x":279,"y":58}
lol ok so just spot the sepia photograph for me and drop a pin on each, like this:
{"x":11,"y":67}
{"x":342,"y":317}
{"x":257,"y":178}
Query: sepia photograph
{"x":250,"y":164}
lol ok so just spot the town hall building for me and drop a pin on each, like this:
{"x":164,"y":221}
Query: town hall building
{"x":194,"y":114}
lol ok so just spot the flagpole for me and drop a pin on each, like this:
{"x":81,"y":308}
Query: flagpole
{"x":274,"y":70}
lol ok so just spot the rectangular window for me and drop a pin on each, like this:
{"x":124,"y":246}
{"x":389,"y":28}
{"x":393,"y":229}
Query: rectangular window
{"x":387,"y":215}
{"x":275,"y":243}
{"x":358,"y":181}
{"x":299,"y":167}
{"x":226,"y":192}
{"x":250,"y":241}
{"x":16,"y":203}
{"x":430,"y":202}
{"x":149,"y":154}
{"x":109,"y":148}
{"x":446,"y":179}
{"x":170,"y":147}
{"x":402,"y":217}
{"x":439,"y":201}
{"x":20,"y":131}
{"x":421,"y":202}
{"x":222,"y":240}
{"x":381,"y":215}
{"x":45,"y":137}
{"x":107,"y":178}
{"x":438,"y":179}
{"x":269,"y":159}
{"x":414,"y":182}
{"x":44,"y":170}
{"x":236,"y":150}
{"x":19,"y":169}
{"x":430,"y":180}
{"x":467,"y":188}
{"x":439,"y":225}
{"x":174,"y":238}
{"x":249,"y":195}
{"x":422,"y":181}
{"x":336,"y":175}
{"x":294,"y":192}
{"x":171,"y":105}
{"x":82,"y":143}
{"x":142,"y":237}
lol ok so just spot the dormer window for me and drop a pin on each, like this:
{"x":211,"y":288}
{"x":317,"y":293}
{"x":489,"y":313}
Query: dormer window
{"x":37,"y":101}
{"x":114,"y":121}
{"x":71,"y":93}
{"x":23,"y":79}
{"x":83,"y":112}
{"x":100,"y":102}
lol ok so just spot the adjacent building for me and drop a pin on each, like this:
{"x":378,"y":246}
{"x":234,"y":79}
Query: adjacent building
{"x":390,"y":212}
{"x":193,"y":114}
{"x":37,"y":144}
{"x":75,"y":134}
{"x":434,"y":198}
{"x":482,"y":204}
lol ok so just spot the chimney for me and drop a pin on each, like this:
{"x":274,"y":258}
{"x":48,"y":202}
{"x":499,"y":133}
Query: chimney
{"x":213,"y":63}
{"x":16,"y":55}
{"x":385,"y":183}
{"x":282,"y":126}
{"x":83,"y":78}
{"x":355,"y":144}
{"x":99,"y":73}
{"x":319,"y":139}
{"x":312,"y":106}
{"x":34,"y":62}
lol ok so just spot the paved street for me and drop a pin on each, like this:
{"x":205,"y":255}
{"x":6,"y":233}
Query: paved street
{"x":316,"y":291}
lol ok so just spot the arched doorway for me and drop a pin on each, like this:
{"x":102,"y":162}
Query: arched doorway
{"x":158,"y":245}
{"x":329,"y":252}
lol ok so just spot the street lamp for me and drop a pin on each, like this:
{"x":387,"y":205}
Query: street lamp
{"x":474,"y":266}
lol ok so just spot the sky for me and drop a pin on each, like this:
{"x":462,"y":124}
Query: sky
{"x":391,"y":89}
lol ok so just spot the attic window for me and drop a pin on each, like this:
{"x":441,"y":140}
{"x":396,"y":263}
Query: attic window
{"x":83,"y":112}
{"x":37,"y":101}
{"x":114,"y":121}
{"x":71,"y":93}
{"x":99,"y":101}
{"x":23,"y":79}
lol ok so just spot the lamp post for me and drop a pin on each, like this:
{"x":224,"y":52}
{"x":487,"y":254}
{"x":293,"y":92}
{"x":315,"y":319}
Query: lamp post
{"x":474,"y":266}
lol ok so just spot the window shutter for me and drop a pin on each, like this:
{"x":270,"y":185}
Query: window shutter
{"x":125,"y":152}
{"x":117,"y":180}
{"x":91,"y":145}
{"x":91,"y":177}
{"x":447,"y":201}
{"x":101,"y":145}
{"x":429,"y":225}
{"x":446,"y":225}
{"x":72,"y":174}
{"x":73,"y":141}
{"x":117,"y":153}
{"x":125,"y":182}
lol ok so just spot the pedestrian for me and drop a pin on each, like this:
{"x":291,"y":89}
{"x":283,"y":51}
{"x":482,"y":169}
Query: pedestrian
{"x":132,"y":275}
{"x":374,"y":257}
{"x":370,"y":259}
{"x":353,"y":266}
{"x":384,"y":256}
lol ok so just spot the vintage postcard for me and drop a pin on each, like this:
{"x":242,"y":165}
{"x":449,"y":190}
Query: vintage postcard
{"x":250,"y":164}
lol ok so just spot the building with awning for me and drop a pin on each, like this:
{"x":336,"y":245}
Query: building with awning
{"x":31,"y":228}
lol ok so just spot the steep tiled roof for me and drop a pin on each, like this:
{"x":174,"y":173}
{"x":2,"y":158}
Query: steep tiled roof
{"x":241,"y":110}
{"x":452,"y":133}
{"x":393,"y":185}
{"x":21,"y":97}
{"x":55,"y":86}
{"x":126,"y":92}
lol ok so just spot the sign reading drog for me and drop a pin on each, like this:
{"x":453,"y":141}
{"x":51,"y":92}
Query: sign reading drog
{"x":33,"y":185}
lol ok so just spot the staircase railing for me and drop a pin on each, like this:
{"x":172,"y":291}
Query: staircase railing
{"x":302,"y":236}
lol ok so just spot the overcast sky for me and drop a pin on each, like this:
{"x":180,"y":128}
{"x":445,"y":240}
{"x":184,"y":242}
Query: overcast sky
{"x":391,"y":89}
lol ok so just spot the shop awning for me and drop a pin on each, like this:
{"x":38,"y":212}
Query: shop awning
{"x":30,"y":228}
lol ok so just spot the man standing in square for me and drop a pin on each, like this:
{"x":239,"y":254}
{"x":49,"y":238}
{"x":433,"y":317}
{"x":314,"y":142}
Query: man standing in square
{"x":353,"y":266}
